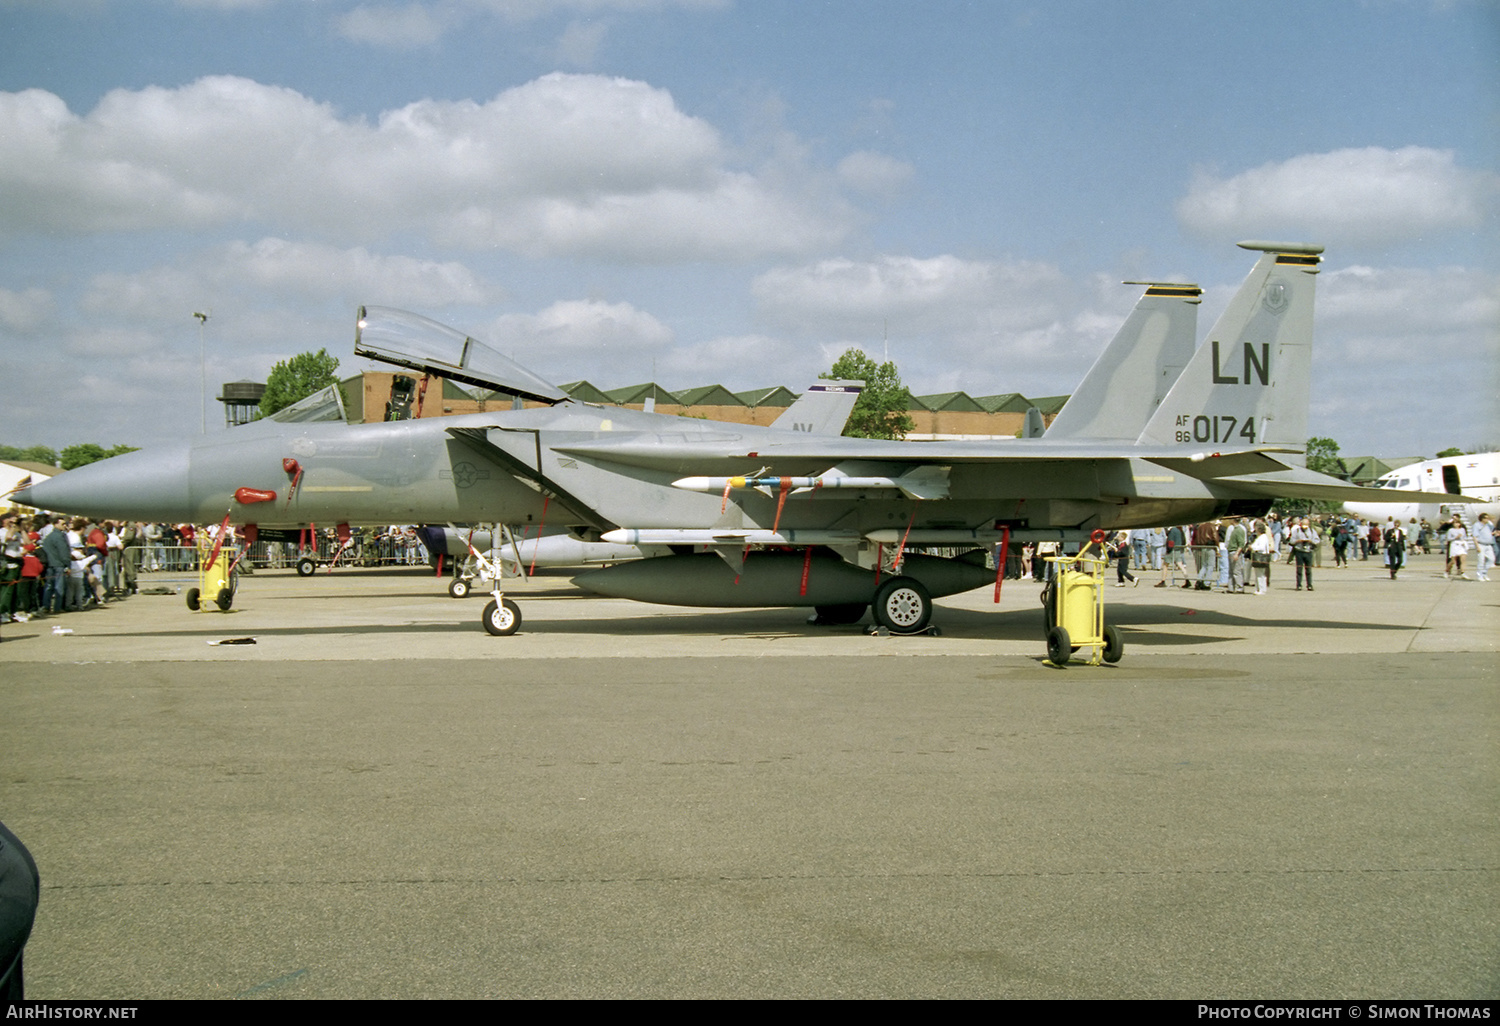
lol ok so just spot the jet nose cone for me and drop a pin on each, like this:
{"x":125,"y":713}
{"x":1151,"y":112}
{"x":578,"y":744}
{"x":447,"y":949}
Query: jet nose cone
{"x":152,"y":484}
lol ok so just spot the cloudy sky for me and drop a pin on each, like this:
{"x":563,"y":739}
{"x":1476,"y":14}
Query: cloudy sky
{"x":734,"y":191}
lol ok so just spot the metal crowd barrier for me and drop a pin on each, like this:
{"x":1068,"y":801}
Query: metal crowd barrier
{"x":379,"y":550}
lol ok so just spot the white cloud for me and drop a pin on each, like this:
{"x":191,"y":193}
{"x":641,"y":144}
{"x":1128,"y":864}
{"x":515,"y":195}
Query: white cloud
{"x":388,"y":25}
{"x":579,"y":44}
{"x":874,"y":173}
{"x":943,"y":293}
{"x":228,"y":5}
{"x":576,"y":325}
{"x":1352,"y":196}
{"x":1448,"y":312}
{"x":24,"y":312}
{"x":581,"y":338}
{"x":565,"y":165}
{"x":744,"y":361}
{"x":274,"y":270}
{"x":406,"y":27}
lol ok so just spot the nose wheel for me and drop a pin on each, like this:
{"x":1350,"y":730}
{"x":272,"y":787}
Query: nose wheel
{"x":502,"y":617}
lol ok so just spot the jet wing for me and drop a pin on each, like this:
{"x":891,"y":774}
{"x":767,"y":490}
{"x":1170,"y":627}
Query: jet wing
{"x":713,"y":452}
{"x":412,"y":341}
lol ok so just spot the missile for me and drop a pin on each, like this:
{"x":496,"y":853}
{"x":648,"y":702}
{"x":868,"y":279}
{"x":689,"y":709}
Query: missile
{"x":718,"y":484}
{"x":736,"y":536}
{"x":921,"y":482}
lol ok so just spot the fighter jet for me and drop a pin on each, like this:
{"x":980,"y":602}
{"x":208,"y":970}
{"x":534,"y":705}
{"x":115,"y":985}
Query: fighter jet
{"x":755,"y":516}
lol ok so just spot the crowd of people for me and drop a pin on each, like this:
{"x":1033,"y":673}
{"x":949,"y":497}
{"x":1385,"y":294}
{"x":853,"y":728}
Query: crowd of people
{"x":1236,"y":554}
{"x":55,"y":564}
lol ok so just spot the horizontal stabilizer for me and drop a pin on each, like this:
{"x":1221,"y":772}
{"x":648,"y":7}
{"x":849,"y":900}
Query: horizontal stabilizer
{"x":1208,"y":466}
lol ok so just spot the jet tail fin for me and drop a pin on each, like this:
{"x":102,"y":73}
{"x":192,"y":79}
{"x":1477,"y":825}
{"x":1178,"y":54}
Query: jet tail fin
{"x":1247,"y":385}
{"x":1033,"y":426}
{"x":1137,"y":369}
{"x":823,"y":409}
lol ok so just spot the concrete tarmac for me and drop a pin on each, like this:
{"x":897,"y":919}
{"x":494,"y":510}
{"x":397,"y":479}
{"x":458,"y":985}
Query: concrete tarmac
{"x":1284,"y":796}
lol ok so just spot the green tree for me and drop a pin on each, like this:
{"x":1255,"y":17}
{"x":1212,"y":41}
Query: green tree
{"x":84,"y":453}
{"x":31,"y":454}
{"x":1451,"y":451}
{"x":881,"y":409}
{"x":293,"y":380}
{"x":1322,"y":456}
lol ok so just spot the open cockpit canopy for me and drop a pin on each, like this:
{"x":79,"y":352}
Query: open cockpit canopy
{"x":421,"y":344}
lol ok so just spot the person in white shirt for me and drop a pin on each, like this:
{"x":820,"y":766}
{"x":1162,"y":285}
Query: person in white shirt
{"x":1484,"y":537}
{"x":1458,"y":547}
{"x":1304,"y":541}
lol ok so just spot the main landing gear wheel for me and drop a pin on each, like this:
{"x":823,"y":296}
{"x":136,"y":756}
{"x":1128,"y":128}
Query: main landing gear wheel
{"x":192,"y":599}
{"x":1114,"y":644}
{"x":306,"y":566}
{"x":832,"y":616}
{"x":1059,"y":646}
{"x":459,"y":588}
{"x":501,"y":619}
{"x":902,"y":606}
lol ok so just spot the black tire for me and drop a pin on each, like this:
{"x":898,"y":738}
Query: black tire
{"x":459,"y":588}
{"x":307,"y":566}
{"x":192,"y":599}
{"x":902,"y":605}
{"x":1114,"y":644}
{"x":1049,"y":605}
{"x":224,"y":600}
{"x":501,"y":620}
{"x":830,"y":616}
{"x":1059,"y":646}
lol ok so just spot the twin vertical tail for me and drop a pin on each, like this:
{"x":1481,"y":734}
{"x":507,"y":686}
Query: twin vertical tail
{"x":1124,"y":387}
{"x":1247,"y":385}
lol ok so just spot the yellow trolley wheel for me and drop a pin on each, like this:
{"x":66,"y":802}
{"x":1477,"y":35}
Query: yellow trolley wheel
{"x":1114,"y":644}
{"x":1059,"y":646}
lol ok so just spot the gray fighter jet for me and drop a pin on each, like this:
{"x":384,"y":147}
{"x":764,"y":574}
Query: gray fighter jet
{"x":755,"y":516}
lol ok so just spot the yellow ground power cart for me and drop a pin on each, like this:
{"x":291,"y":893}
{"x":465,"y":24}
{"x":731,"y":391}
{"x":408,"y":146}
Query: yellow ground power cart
{"x":1073,"y":605}
{"x":217,"y":576}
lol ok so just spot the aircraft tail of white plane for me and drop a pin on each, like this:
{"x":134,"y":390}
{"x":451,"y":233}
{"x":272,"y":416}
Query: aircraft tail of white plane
{"x":1247,"y":385}
{"x":1129,"y":380}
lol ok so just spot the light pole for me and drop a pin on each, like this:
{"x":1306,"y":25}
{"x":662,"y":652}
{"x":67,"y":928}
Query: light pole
{"x":202,"y":370}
